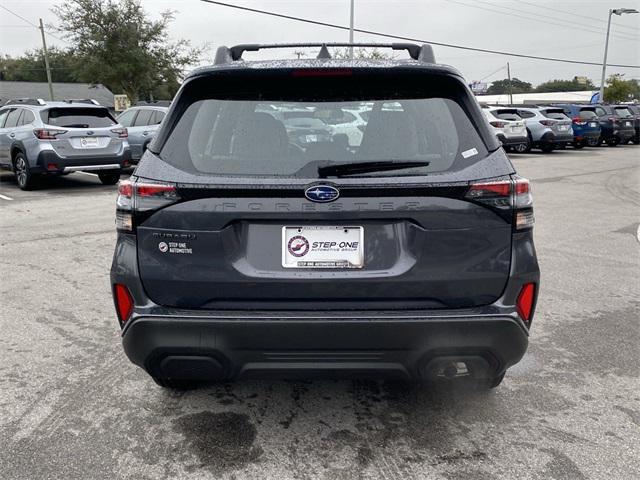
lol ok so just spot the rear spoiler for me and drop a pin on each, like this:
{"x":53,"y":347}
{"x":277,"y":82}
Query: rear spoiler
{"x":225,"y":55}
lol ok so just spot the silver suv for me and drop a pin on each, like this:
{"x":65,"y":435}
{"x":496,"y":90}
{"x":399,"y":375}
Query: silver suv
{"x":142,"y":122}
{"x":548,"y":127}
{"x":57,"y":138}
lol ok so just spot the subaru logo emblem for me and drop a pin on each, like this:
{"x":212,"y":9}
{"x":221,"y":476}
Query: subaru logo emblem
{"x":322,"y":193}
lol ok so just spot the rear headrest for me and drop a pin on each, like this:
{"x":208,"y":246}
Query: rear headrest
{"x":389,"y":135}
{"x":260,"y":135}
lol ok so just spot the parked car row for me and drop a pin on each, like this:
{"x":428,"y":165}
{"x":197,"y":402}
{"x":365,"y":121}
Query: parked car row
{"x":40,"y":139}
{"x":521,"y":128}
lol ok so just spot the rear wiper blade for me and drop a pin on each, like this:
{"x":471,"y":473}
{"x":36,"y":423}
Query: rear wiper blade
{"x":366,"y":167}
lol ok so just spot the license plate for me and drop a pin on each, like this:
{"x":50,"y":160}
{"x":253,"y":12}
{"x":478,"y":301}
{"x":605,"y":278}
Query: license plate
{"x":563,"y":128}
{"x":514,"y":129}
{"x":89,"y":142}
{"x":322,"y":247}
{"x":311,"y":138}
{"x":628,"y":124}
{"x":593,"y":124}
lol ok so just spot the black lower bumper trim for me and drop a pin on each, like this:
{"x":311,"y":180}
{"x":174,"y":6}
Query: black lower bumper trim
{"x":229,"y":348}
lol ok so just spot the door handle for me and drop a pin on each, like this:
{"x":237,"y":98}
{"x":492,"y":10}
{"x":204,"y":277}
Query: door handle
{"x":12,"y":135}
{"x":145,"y":133}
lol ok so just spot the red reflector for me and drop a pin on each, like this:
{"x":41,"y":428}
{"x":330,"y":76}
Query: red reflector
{"x":525,"y":301}
{"x":124,"y":302}
{"x":323,"y":72}
{"x":52,"y":166}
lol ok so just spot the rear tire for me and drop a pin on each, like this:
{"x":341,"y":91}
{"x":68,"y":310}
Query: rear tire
{"x":25,"y":179}
{"x":110,"y":178}
{"x":578,"y":145}
{"x":546,"y":148}
{"x":613,"y":142}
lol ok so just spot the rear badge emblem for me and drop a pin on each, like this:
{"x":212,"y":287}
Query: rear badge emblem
{"x":322,"y":193}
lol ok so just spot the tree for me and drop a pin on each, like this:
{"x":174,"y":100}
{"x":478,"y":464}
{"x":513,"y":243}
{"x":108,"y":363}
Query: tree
{"x":500,"y":87}
{"x":361,"y":53}
{"x":120,"y":47}
{"x":620,"y":90}
{"x":565,"y":86}
{"x":30,"y":67}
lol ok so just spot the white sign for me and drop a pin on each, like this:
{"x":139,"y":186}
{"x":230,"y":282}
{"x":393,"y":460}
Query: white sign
{"x":121,"y":103}
{"x":322,"y":247}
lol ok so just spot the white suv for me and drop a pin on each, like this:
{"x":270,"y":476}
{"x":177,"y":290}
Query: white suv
{"x":508,"y":127}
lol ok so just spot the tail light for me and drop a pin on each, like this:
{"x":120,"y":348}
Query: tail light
{"x":124,"y":302}
{"x":48,"y":133}
{"x":141,"y":197}
{"x":498,"y":124}
{"x":578,"y":121}
{"x":612,"y":120}
{"x":547,"y":123}
{"x":524,"y":304}
{"x":503,"y":195}
{"x":121,"y":132}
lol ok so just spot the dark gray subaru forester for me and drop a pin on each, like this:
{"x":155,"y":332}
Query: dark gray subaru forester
{"x":325,"y":217}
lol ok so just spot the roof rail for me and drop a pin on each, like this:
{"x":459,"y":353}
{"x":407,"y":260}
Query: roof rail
{"x":89,"y":101}
{"x":25,"y":101}
{"x":423,"y":53}
{"x":155,"y":103}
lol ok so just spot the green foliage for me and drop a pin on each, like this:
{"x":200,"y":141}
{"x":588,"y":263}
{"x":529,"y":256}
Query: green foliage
{"x":564,"y":86}
{"x":30,"y":67}
{"x":120,"y":47}
{"x":500,"y":87}
{"x":620,"y":90}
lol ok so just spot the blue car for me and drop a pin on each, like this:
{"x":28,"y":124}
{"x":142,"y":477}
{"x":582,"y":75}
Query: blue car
{"x":586,"y":127}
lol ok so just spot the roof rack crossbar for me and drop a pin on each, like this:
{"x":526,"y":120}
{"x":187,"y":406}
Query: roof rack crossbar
{"x":89,"y":101}
{"x":224,"y":55}
{"x":25,"y":101}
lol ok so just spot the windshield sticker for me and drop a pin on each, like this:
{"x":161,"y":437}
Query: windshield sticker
{"x":469,"y":153}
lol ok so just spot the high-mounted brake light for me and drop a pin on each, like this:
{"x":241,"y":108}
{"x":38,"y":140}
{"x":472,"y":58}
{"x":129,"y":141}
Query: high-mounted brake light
{"x":48,"y":133}
{"x":322,"y":72}
{"x":124,"y":302}
{"x":121,"y":132}
{"x":524,"y":304}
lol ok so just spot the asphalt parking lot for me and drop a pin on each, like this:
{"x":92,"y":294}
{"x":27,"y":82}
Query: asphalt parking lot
{"x":72,"y":406}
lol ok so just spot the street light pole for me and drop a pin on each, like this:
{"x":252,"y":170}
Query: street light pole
{"x":615,"y":11}
{"x":46,"y":61}
{"x":351,"y":32}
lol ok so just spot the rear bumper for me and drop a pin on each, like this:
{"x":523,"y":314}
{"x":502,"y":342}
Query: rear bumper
{"x":408,"y":346}
{"x":47,"y":158}
{"x":512,"y":141}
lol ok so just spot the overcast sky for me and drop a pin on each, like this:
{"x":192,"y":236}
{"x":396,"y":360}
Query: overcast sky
{"x":536,"y":27}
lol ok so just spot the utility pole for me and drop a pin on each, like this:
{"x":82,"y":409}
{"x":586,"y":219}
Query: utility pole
{"x":510,"y":84}
{"x":351,"y":32}
{"x":46,"y":60}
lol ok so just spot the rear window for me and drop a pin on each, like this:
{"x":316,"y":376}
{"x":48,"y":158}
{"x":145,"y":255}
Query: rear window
{"x":623,"y":112}
{"x":587,"y":114}
{"x":78,"y":117}
{"x":555,"y":114}
{"x":510,"y":115}
{"x":289,"y":135}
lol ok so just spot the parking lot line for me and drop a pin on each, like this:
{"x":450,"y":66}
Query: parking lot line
{"x":4,"y":197}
